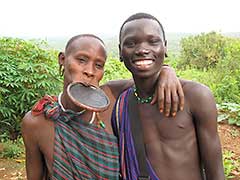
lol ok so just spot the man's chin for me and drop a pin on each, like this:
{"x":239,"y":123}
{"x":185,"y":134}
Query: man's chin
{"x":145,"y":74}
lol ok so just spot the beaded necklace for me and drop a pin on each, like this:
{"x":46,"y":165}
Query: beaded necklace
{"x":142,"y":100}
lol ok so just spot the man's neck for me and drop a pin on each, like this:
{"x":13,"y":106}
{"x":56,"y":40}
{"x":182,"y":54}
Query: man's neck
{"x":145,"y":86}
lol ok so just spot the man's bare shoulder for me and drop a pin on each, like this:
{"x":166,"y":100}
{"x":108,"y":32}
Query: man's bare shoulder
{"x":195,"y":89}
{"x":116,"y":87}
{"x":199,"y":99}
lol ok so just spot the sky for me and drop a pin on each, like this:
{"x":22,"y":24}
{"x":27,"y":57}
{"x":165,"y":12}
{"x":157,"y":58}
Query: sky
{"x":62,"y":18}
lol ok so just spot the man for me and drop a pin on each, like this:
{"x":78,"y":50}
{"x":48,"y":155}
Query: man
{"x":177,"y":147}
{"x":60,"y":141}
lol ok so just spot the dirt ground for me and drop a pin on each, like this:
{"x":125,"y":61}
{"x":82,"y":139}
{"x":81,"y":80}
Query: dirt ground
{"x":230,"y":140}
{"x":229,"y":135}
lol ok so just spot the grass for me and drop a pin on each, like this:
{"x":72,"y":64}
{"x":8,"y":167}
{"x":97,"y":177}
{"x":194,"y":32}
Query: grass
{"x":12,"y":149}
{"x":231,"y":164}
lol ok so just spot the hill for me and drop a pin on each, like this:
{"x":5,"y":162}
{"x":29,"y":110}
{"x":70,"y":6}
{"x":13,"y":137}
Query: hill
{"x":112,"y":42}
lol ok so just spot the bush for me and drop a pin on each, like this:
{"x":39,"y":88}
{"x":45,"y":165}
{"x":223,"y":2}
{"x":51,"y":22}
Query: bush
{"x":228,"y":88}
{"x":28,"y":71}
{"x":12,"y":149}
{"x":224,"y":77}
{"x":229,"y":112}
{"x":202,"y":51}
{"x":114,"y":69}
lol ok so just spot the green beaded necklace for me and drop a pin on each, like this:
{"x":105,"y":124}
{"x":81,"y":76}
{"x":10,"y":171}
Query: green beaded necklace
{"x":142,"y":100}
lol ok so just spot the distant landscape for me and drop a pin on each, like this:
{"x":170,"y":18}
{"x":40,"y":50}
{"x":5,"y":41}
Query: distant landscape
{"x":112,"y":42}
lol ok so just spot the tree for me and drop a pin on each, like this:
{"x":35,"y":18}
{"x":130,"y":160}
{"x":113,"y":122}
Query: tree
{"x":28,"y":70}
{"x":202,"y":51}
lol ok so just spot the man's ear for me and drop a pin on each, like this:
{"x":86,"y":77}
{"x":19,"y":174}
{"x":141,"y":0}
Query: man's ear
{"x":120,"y":54}
{"x":165,"y":48}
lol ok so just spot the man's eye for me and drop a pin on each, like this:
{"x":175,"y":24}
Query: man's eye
{"x":155,"y":41}
{"x":130,"y":44}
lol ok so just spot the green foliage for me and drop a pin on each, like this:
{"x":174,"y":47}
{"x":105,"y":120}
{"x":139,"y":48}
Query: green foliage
{"x":224,"y":77}
{"x":193,"y":74}
{"x":228,"y":88}
{"x":28,"y":71}
{"x":228,"y":70}
{"x":202,"y":51}
{"x":12,"y":149}
{"x":172,"y":60}
{"x":209,"y":78}
{"x":114,"y":69}
{"x":112,"y":47}
{"x":225,"y":89}
{"x":229,"y":112}
{"x":230,"y":164}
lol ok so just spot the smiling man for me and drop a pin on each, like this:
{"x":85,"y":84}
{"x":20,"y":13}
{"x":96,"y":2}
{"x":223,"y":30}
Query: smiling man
{"x":184,"y":147}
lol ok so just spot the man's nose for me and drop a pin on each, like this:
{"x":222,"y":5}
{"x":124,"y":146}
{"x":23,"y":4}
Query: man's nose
{"x":142,"y":49}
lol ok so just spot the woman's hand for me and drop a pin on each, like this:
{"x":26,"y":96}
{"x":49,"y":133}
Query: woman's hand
{"x":169,"y":93}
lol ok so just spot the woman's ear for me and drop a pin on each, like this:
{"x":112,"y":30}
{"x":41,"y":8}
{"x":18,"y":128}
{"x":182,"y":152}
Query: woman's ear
{"x":61,"y":58}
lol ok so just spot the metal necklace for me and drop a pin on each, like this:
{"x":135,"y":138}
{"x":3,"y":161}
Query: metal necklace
{"x":101,"y":123}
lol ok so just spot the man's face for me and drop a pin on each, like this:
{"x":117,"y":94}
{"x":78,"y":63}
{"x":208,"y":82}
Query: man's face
{"x":142,"y":47}
{"x":85,"y":61}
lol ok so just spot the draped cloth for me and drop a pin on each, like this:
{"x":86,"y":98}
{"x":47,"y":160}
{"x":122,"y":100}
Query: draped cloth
{"x":121,"y":127}
{"x":81,"y":150}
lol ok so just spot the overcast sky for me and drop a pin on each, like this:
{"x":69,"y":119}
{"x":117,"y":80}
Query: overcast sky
{"x":49,"y":18}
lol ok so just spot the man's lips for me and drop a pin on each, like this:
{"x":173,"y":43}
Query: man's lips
{"x":143,"y":62}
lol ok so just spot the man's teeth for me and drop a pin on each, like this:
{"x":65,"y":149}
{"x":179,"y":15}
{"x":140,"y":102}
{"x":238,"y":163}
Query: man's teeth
{"x":144,"y":62}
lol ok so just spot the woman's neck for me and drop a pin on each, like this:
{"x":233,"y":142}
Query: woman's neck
{"x":67,"y":103}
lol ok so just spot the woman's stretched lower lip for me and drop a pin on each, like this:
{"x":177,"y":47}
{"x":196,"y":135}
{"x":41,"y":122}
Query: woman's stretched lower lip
{"x":85,"y":82}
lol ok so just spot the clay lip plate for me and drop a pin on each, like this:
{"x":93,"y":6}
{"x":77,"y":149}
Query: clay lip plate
{"x":88,"y":96}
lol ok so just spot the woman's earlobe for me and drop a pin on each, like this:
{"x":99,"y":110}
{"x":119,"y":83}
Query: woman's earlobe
{"x":61,"y":70}
{"x":61,"y":58}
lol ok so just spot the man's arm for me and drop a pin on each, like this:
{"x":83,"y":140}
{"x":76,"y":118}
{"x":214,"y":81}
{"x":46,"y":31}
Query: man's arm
{"x":34,"y":158}
{"x":169,"y":93}
{"x":203,"y":108}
